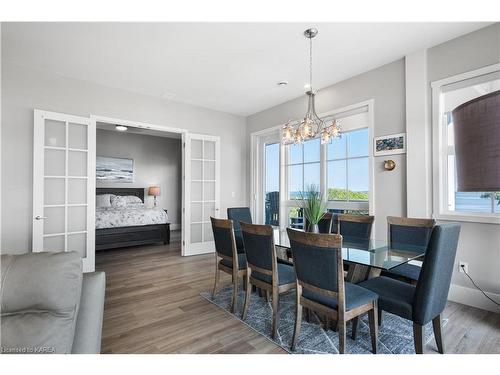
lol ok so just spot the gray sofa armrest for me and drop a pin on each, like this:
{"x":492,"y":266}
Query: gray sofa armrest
{"x":90,"y":315}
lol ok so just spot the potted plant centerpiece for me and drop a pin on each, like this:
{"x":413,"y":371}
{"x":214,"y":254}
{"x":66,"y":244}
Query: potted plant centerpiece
{"x":314,"y":207}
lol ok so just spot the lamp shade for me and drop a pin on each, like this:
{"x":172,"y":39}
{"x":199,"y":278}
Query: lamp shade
{"x":477,"y":143}
{"x":154,"y":190}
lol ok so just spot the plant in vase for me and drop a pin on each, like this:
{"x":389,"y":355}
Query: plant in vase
{"x":314,"y":207}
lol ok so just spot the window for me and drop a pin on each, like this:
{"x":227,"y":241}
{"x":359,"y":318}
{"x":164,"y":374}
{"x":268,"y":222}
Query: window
{"x":347,"y":167}
{"x":303,"y":167}
{"x":272,"y":184}
{"x":449,"y":94}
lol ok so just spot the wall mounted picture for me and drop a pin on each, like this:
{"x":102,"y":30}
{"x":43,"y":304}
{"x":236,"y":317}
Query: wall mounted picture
{"x":389,"y":144}
{"x":114,"y":169}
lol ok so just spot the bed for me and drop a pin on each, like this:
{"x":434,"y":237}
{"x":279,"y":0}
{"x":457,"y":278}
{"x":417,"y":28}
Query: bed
{"x":129,"y":225}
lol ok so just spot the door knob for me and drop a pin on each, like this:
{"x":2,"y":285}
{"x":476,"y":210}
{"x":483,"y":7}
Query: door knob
{"x":38,"y":217}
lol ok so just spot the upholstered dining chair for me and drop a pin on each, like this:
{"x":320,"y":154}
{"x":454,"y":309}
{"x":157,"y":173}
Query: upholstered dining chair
{"x":237,"y":215}
{"x":325,"y":224}
{"x":355,"y":226}
{"x":321,"y":286}
{"x":405,"y":233}
{"x":263,"y":269}
{"x":426,"y":301}
{"x":231,"y":262}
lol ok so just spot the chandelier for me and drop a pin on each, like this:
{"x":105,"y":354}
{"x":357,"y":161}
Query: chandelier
{"x":311,"y":126}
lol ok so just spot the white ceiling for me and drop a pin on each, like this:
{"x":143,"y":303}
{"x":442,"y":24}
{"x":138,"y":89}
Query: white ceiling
{"x":230,"y":67}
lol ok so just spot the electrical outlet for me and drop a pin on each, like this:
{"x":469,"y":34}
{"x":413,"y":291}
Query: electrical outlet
{"x":463,"y":266}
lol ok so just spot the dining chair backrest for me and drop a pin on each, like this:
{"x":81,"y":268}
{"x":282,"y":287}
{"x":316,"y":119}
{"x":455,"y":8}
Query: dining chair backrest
{"x":434,"y":281}
{"x":239,"y":214}
{"x":355,"y":226}
{"x":317,"y":259}
{"x":409,"y":232}
{"x":325,"y":224}
{"x":225,"y":244}
{"x":259,"y":246}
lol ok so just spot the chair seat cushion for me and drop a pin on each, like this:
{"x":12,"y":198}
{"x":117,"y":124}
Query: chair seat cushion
{"x":408,"y":271}
{"x":354,"y":296}
{"x":286,"y":275}
{"x":394,"y":296}
{"x":242,"y":262}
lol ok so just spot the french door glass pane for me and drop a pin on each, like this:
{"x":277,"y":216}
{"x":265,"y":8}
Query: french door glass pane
{"x":77,"y":136}
{"x":209,"y":191}
{"x":497,"y":202}
{"x":295,"y":153}
{"x":196,"y":234}
{"x":196,"y":170}
{"x":209,"y":150}
{"x":77,"y":191}
{"x":53,"y":244}
{"x":78,"y":242}
{"x":358,"y":179}
{"x":55,"y":162}
{"x":77,"y":218}
{"x":55,"y":133}
{"x":196,"y":191}
{"x":358,"y":143}
{"x":208,"y":234}
{"x":209,"y":170}
{"x":77,"y":163}
{"x":196,"y":149}
{"x":54,"y":220}
{"x":196,"y":213}
{"x":54,"y":191}
{"x":337,"y":183}
{"x":295,"y":218}
{"x":272,"y":184}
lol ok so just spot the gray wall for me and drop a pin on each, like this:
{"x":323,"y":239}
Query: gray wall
{"x":386,"y":85}
{"x":157,"y":161}
{"x":479,"y":243}
{"x":24,"y":89}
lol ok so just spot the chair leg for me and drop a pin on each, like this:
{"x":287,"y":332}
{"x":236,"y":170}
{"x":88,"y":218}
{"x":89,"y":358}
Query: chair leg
{"x":354,"y":327}
{"x":245,"y":284}
{"x":372,"y":319}
{"x":276,"y":300}
{"x":248,"y":292}
{"x":235,"y":293}
{"x":342,"y":335}
{"x":379,"y":313}
{"x":298,"y":320}
{"x":307,"y":314}
{"x":418,"y":338}
{"x":266,"y":295}
{"x":438,"y":335}
{"x":217,"y":272}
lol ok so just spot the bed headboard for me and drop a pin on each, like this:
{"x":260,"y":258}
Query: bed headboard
{"x":138,"y":192}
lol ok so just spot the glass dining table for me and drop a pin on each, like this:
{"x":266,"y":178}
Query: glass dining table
{"x":364,"y":258}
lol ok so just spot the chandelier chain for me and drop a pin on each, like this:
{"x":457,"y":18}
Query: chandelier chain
{"x":310,"y":63}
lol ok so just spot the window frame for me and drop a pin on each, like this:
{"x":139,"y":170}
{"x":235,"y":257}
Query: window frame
{"x":440,"y":152}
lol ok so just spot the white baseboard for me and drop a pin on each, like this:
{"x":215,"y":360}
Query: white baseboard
{"x":473,"y":297}
{"x":175,"y":226}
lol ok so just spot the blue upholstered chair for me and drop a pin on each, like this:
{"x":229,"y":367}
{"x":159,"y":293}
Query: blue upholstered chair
{"x":320,"y":284}
{"x":263,"y":269}
{"x":426,"y":301}
{"x":237,"y":215}
{"x":231,"y":262}
{"x":357,"y":227}
{"x":404,"y":234}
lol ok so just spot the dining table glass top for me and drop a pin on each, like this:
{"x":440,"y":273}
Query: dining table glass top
{"x":371,"y":253}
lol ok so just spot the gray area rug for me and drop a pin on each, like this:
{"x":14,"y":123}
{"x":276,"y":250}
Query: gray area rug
{"x":395,"y":334}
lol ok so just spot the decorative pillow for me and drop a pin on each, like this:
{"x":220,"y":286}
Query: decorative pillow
{"x":103,"y":200}
{"x":118,"y":201}
{"x":132,"y":199}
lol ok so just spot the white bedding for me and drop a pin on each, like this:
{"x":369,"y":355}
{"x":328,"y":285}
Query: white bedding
{"x":115,"y":217}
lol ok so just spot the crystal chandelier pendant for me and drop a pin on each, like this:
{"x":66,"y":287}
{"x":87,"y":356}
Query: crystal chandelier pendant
{"x":311,"y":126}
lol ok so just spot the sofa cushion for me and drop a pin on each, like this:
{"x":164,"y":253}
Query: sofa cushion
{"x":40,"y":297}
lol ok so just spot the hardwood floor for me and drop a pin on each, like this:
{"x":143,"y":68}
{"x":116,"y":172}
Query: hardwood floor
{"x":153,"y":305}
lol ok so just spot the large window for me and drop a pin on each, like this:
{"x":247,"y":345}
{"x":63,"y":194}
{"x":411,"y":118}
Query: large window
{"x":303,"y":167}
{"x":448,"y":96}
{"x":347,"y":167}
{"x":272,"y":184}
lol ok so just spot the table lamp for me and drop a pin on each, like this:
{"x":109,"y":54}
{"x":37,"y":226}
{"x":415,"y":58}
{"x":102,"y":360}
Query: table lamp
{"x":154,"y":191}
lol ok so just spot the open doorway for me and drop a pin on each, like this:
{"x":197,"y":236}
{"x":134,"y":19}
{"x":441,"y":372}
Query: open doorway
{"x":138,"y":187}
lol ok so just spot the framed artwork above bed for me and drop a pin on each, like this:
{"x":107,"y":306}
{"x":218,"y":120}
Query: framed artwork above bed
{"x":110,"y":169}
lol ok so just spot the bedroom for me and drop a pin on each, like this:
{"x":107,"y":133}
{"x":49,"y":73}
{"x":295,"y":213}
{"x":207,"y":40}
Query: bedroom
{"x":138,"y":187}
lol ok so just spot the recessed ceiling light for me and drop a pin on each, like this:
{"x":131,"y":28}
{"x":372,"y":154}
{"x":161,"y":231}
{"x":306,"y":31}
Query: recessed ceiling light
{"x":282,"y":83}
{"x":121,"y":128}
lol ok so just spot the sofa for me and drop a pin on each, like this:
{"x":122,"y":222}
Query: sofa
{"x":48,"y":305}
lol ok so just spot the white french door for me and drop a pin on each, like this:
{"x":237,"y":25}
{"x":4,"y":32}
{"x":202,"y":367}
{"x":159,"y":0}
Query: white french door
{"x":202,"y":192}
{"x":64,"y":185}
